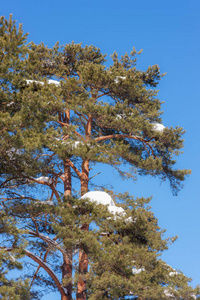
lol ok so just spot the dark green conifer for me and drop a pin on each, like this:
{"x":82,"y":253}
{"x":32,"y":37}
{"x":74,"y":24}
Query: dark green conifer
{"x":62,"y":110}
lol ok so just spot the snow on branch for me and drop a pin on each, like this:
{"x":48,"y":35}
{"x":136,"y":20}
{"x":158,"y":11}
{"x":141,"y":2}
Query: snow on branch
{"x":11,"y":103}
{"x":136,"y":271}
{"x":116,"y":210}
{"x":47,"y":202}
{"x":48,"y":241}
{"x":99,"y":197}
{"x":49,"y":81}
{"x":12,"y":151}
{"x":119,"y":78}
{"x":44,"y":179}
{"x":158,"y":127}
{"x":104,"y":198}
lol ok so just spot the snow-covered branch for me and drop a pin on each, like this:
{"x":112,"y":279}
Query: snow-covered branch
{"x":48,"y":241}
{"x":49,"y":81}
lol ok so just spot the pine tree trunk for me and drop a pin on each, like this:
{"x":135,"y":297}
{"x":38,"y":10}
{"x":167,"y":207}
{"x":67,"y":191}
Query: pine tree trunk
{"x":68,"y":179}
{"x":67,"y":274}
{"x":67,"y":170}
{"x":83,"y":258}
{"x":83,"y":268}
{"x":65,"y":297}
{"x":67,"y":260}
{"x":85,"y":175}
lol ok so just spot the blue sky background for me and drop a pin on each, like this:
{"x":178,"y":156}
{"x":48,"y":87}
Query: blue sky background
{"x":168,"y":32}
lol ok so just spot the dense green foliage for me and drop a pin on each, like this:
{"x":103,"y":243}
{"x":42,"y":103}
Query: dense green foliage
{"x":52,"y":133}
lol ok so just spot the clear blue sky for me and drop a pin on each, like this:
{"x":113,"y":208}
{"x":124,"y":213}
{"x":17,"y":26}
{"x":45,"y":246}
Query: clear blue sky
{"x":168,"y":32}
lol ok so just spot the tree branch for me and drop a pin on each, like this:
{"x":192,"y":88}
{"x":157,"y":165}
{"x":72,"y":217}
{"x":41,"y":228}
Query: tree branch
{"x":126,"y":136}
{"x":105,"y":93}
{"x":55,"y":192}
{"x":48,"y":241}
{"x":38,"y":268}
{"x":118,"y":136}
{"x":66,"y":124}
{"x":44,"y":266}
{"x":75,"y":169}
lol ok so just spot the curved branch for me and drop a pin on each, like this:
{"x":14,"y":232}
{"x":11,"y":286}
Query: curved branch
{"x":39,"y":181}
{"x":118,"y":136}
{"x":44,"y":266}
{"x":75,"y":169}
{"x":38,"y":268}
{"x":66,"y":124}
{"x":49,"y":184}
{"x":56,"y":193}
{"x":48,"y":241}
{"x":104,"y":94}
{"x":126,"y":136}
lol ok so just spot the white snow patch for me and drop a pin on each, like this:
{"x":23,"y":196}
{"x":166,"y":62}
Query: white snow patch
{"x":76,"y":144}
{"x":116,"y":210}
{"x":47,"y":202}
{"x":130,"y":219}
{"x":103,"y":198}
{"x":117,"y":79}
{"x":44,"y":179}
{"x":120,"y":116}
{"x":172,"y":270}
{"x":167,"y":293}
{"x":104,"y":233}
{"x":99,"y":197}
{"x":56,"y":82}
{"x":173,"y":273}
{"x":158,"y":127}
{"x":50,"y":81}
{"x":136,"y":271}
{"x":12,"y":151}
{"x":36,"y":81}
{"x":11,"y":103}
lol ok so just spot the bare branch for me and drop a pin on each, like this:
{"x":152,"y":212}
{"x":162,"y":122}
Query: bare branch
{"x":66,"y":124}
{"x":75,"y":168}
{"x":44,"y":266}
{"x":104,"y":94}
{"x":117,"y":136}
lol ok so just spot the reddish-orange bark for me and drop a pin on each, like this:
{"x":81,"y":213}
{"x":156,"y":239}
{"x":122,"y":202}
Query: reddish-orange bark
{"x":83,"y":258}
{"x":67,"y":180}
{"x":83,"y":268}
{"x":67,"y":259}
{"x":67,"y":273}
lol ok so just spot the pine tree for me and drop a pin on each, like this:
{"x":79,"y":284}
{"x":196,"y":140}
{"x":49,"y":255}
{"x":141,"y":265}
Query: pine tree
{"x":63,"y":112}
